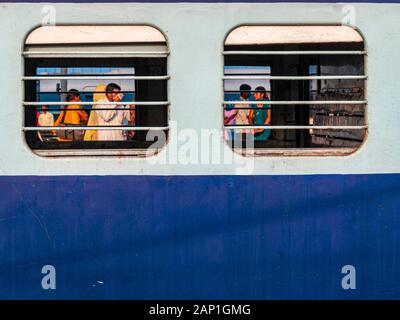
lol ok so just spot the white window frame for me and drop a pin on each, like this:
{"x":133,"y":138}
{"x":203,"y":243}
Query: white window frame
{"x":289,"y":34}
{"x":84,"y":41}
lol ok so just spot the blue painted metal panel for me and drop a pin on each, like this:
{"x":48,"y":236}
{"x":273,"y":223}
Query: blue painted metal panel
{"x":228,"y":237}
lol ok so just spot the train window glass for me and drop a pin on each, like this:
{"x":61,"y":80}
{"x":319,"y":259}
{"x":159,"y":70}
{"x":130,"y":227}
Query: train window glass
{"x":294,"y":90}
{"x":96,"y":90}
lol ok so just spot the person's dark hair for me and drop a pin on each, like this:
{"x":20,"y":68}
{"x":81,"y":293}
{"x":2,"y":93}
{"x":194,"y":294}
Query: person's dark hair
{"x":111,"y":87}
{"x":261,"y":89}
{"x":244,"y":88}
{"x":72,"y":93}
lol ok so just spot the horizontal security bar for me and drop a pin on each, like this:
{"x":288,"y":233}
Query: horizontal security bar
{"x":124,"y":128}
{"x":296,"y":102}
{"x":136,"y":103}
{"x":243,"y":108}
{"x":255,"y":77}
{"x":297,"y":127}
{"x":96,"y":152}
{"x":115,"y":77}
{"x":238,"y":91}
{"x":83,"y":92}
{"x":92,"y":109}
{"x":94,"y":54}
{"x":296,"y":52}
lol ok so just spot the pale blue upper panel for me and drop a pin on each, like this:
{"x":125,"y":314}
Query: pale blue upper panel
{"x":195,"y":89}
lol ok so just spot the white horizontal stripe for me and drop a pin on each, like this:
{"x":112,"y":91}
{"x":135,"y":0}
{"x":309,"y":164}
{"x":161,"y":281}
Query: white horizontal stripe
{"x":295,"y":52}
{"x":136,"y":103}
{"x":250,"y":77}
{"x":97,"y":152}
{"x":297,"y":127}
{"x":297,"y":102}
{"x":116,"y":77}
{"x":124,"y":128}
{"x":92,"y":54}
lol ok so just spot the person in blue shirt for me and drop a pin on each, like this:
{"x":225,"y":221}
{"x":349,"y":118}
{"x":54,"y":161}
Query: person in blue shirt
{"x":261,"y":115}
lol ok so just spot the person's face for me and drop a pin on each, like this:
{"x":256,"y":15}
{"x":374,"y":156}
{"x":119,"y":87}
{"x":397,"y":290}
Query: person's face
{"x":113,"y":96}
{"x":259,"y":95}
{"x":246,"y":94}
{"x":76,"y":98}
{"x":44,"y":109}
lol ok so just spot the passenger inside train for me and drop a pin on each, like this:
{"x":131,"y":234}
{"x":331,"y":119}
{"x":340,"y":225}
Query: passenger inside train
{"x":245,"y":115}
{"x":314,"y":82}
{"x":73,"y":115}
{"x":285,"y":88}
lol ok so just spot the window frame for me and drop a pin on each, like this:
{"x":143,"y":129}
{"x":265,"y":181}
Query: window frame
{"x":299,"y":152}
{"x":103,"y":148}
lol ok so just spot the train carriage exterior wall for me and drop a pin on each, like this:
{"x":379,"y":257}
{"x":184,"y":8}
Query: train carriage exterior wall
{"x":126,"y":227}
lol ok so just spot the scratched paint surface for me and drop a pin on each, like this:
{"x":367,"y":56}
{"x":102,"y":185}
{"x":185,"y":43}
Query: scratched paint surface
{"x":200,"y":237}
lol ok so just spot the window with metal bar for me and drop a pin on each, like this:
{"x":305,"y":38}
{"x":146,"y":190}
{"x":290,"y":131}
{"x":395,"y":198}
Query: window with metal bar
{"x":294,"y":90}
{"x":96,"y":90}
